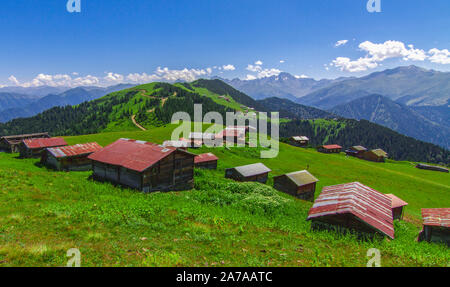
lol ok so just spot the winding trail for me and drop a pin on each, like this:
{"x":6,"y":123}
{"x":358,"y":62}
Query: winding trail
{"x":133,"y":119}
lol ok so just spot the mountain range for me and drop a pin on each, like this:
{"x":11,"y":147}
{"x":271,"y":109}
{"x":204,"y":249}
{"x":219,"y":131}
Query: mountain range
{"x":399,"y":117}
{"x":411,"y":100}
{"x":13,"y":105}
{"x":412,"y":86}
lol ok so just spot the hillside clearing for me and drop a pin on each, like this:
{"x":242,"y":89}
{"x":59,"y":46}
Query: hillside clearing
{"x":219,"y":223}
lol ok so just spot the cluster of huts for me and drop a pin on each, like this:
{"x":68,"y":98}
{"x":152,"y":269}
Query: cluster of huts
{"x":151,"y":167}
{"x":376,"y":155}
{"x":232,"y":134}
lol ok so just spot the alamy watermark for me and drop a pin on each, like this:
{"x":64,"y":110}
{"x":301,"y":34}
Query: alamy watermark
{"x":375,"y":257}
{"x":74,"y":255}
{"x":234,"y":133}
{"x":73,"y":6}
{"x":374,"y":6}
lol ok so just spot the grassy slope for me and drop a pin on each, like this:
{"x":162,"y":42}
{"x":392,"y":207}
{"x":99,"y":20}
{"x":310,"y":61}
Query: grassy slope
{"x":44,"y":213}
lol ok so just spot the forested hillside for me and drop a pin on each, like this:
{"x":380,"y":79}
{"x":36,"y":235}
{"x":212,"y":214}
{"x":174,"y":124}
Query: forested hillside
{"x":398,"y":117}
{"x":347,"y":132}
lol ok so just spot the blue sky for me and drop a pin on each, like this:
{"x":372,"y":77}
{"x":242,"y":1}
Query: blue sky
{"x":124,"y":40}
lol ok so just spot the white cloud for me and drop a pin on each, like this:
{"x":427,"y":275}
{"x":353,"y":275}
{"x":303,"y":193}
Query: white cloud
{"x":282,"y":61}
{"x":229,"y":67}
{"x":261,"y":72}
{"x":392,"y":49}
{"x":160,"y":74}
{"x":259,"y":63}
{"x":439,"y":56}
{"x":14,"y":80}
{"x":340,"y":43}
{"x":166,"y":74}
{"x":377,"y":53}
{"x":301,"y":77}
{"x":113,"y":77}
{"x":360,"y":65}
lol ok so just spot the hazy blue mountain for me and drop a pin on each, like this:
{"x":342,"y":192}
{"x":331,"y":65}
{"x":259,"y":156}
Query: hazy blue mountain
{"x":289,"y":109}
{"x":34,"y":92}
{"x":398,"y":117}
{"x":412,"y":86}
{"x":13,"y":100}
{"x":70,"y":97}
{"x":439,"y":114}
{"x":284,"y":85}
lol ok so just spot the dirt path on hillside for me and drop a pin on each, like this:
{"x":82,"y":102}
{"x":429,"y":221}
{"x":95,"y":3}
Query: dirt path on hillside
{"x":133,"y":119}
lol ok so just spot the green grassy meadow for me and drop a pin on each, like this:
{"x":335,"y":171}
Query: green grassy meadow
{"x":44,"y":213}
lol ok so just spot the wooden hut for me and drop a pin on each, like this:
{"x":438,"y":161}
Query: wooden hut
{"x":300,"y":141}
{"x":397,"y":206}
{"x":70,"y":158}
{"x":436,"y":225}
{"x":353,"y":206}
{"x":252,"y":172}
{"x":356,"y":151}
{"x":333,"y":148}
{"x":206,"y":160}
{"x":432,"y":167}
{"x":33,"y":148}
{"x":376,"y":155}
{"x":12,"y":143}
{"x":300,"y":184}
{"x":144,"y":166}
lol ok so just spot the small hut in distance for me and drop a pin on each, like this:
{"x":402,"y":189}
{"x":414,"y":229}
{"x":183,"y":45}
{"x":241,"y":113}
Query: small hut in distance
{"x":12,"y":143}
{"x":33,"y":148}
{"x":300,"y":184}
{"x":206,"y":160}
{"x":299,"y":141}
{"x":376,"y":155}
{"x":397,"y":206}
{"x":333,"y":148}
{"x":70,"y":158}
{"x":252,"y":172}
{"x":431,"y":167}
{"x":356,"y":151}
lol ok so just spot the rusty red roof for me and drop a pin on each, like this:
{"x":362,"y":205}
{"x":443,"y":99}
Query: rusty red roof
{"x":332,"y":146}
{"x":132,"y":154}
{"x":367,"y":204}
{"x":74,"y":150}
{"x":436,"y":216}
{"x":396,"y":201}
{"x":205,"y":158}
{"x":44,"y":142}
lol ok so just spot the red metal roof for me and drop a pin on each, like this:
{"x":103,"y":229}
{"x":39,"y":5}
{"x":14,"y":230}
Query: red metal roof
{"x":132,"y":154}
{"x":205,"y":158}
{"x":396,"y":201}
{"x":74,"y":150}
{"x":44,"y":142}
{"x":367,"y":204}
{"x":332,"y":146}
{"x":436,"y":216}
